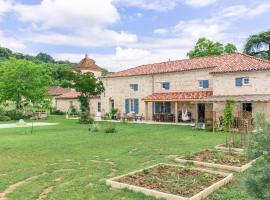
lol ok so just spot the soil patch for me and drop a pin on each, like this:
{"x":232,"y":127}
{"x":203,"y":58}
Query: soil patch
{"x":45,"y":193}
{"x":172,"y":179}
{"x":235,"y":145}
{"x":220,"y":157}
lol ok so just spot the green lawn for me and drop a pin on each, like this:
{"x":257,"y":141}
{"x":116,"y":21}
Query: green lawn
{"x":76,"y":162}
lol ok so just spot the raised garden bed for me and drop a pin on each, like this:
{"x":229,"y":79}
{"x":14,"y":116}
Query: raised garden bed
{"x":233,"y":161}
{"x":235,"y":148}
{"x":172,"y":182}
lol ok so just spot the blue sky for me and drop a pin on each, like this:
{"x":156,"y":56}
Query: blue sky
{"x":124,"y":33}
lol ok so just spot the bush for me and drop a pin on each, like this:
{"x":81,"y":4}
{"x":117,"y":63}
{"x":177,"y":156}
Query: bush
{"x":57,"y":112}
{"x":258,"y":181}
{"x":15,"y":115}
{"x":260,"y":121}
{"x":110,"y":129}
{"x":4,"y":118}
{"x":86,"y":119}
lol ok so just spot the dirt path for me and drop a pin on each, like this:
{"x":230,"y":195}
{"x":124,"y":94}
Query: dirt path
{"x":11,"y":188}
{"x":45,"y":193}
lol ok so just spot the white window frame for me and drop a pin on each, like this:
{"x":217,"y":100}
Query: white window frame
{"x":243,"y":80}
{"x":132,"y":105}
{"x":200,"y":83}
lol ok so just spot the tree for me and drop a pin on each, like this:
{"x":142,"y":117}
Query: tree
{"x":104,"y":72}
{"x":228,"y":115}
{"x":258,"y":181}
{"x":206,"y":47}
{"x":5,"y":53}
{"x":45,"y":58}
{"x":258,"y":45}
{"x":87,"y":85}
{"x":23,"y":81}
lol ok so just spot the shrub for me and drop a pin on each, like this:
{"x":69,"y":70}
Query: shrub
{"x":4,"y":118}
{"x":258,"y":181}
{"x":110,"y":129}
{"x":15,"y":115}
{"x":228,"y":115}
{"x":94,"y":128}
{"x":260,"y":121}
{"x":86,"y":119}
{"x":56,"y":112}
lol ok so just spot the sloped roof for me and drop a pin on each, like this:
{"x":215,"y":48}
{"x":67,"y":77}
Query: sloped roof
{"x":72,"y":94}
{"x":178,"y":96}
{"x":86,"y":64}
{"x":239,"y":98}
{"x":57,"y":91}
{"x":219,"y":64}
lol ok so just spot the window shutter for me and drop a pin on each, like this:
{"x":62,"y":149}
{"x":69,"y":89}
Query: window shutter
{"x":206,"y":84}
{"x":127,"y":105}
{"x":238,"y":82}
{"x":136,"y":106}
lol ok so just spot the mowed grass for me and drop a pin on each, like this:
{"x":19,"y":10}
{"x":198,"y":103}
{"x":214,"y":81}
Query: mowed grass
{"x":74,"y":163}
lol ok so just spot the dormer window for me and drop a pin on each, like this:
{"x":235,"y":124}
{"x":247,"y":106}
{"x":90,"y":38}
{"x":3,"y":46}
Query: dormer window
{"x":165,"y":85}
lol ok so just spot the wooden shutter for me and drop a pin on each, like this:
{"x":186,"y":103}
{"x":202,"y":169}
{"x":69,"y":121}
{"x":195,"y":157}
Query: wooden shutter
{"x":127,"y":105}
{"x":238,"y":82}
{"x":206,"y":84}
{"x":136,"y":106}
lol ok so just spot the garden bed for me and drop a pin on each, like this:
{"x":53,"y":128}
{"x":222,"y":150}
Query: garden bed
{"x":235,"y":148}
{"x":233,"y":161}
{"x":172,"y":182}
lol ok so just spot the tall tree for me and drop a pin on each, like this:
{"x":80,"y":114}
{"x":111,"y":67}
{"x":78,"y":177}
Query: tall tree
{"x":206,"y":47}
{"x":5,"y":53}
{"x":45,"y":58}
{"x":87,"y":85}
{"x":23,"y":81}
{"x":258,"y":45}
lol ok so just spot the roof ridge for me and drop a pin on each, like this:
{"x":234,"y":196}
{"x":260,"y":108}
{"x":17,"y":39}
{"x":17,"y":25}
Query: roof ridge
{"x":253,"y":57}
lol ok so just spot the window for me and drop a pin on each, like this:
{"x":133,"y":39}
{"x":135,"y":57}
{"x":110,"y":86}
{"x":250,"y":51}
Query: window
{"x":132,"y":105}
{"x":203,"y":83}
{"x":162,"y":107}
{"x":240,"y":81}
{"x":245,"y":81}
{"x":134,"y":87}
{"x":247,"y":107}
{"x":112,"y":104}
{"x":165,"y":85}
{"x":99,"y":107}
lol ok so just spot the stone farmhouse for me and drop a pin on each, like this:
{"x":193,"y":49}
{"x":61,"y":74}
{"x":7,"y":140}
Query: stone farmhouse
{"x":190,"y":90}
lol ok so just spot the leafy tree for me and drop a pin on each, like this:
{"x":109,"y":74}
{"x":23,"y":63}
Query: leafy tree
{"x":5,"y":53}
{"x":258,"y":181}
{"x":23,"y":81}
{"x":104,"y":72}
{"x":87,"y":85}
{"x":206,"y":47}
{"x":258,"y":45}
{"x":45,"y":58}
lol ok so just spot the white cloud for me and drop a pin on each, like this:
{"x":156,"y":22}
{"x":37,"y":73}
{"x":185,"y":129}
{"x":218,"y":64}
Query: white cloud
{"x":70,"y":14}
{"x":5,"y":6}
{"x":199,"y":3}
{"x":10,"y":42}
{"x":129,"y":54}
{"x":157,"y":5}
{"x":238,"y":11}
{"x":161,"y":31}
{"x":93,"y":38}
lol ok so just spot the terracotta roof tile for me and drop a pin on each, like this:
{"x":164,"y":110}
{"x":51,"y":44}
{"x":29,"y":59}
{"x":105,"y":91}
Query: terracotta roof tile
{"x":57,"y":91}
{"x":86,"y":64}
{"x":219,"y":64}
{"x":174,"y":96}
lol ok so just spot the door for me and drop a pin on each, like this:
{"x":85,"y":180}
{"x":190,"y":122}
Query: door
{"x":201,"y":113}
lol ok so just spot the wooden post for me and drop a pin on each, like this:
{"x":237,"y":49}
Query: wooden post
{"x":196,"y":114}
{"x":146,"y":111}
{"x":176,"y":111}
